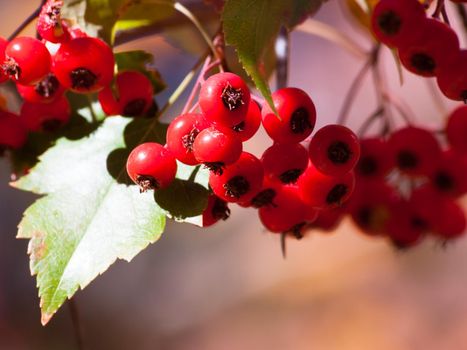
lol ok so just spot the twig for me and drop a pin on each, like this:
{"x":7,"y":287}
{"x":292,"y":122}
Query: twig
{"x":369,"y":121}
{"x":282,"y":53}
{"x":27,"y":21}
{"x":74,"y":314}
{"x":192,"y":96}
{"x":463,"y":15}
{"x":438,"y":9}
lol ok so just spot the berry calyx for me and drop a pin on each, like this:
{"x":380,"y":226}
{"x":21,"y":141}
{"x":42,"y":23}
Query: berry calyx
{"x":216,"y":210}
{"x":151,"y":166}
{"x":285,"y":162}
{"x":46,"y":116}
{"x":45,"y":91}
{"x":247,"y":128}
{"x":375,"y":158}
{"x":49,"y":24}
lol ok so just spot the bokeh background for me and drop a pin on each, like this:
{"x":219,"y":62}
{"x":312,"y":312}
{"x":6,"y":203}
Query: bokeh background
{"x":227,"y":287}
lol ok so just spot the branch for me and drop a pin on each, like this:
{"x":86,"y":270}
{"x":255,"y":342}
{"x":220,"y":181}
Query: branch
{"x":27,"y":21}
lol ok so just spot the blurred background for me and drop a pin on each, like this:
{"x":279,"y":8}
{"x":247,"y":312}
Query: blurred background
{"x":228,"y":287}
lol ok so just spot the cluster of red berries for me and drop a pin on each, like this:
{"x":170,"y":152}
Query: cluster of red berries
{"x":289,"y":184}
{"x":408,"y":185}
{"x":66,"y":59}
{"x":426,"y":46}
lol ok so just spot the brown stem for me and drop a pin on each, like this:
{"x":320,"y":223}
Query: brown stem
{"x":77,"y":329}
{"x":462,"y":14}
{"x":27,"y":21}
{"x":439,"y":8}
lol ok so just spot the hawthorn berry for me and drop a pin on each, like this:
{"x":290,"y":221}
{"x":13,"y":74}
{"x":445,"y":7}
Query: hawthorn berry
{"x":45,"y":91}
{"x":181,"y":135}
{"x":27,"y":60}
{"x":224,"y":99}
{"x":240,"y":181}
{"x":46,"y":116}
{"x":247,"y":128}
{"x":297,"y":116}
{"x":450,"y":222}
{"x":285,"y":162}
{"x":452,"y":78}
{"x":217,"y":148}
{"x":403,"y":227}
{"x":267,"y":194}
{"x":49,"y":24}
{"x":328,"y":219}
{"x":334,"y":149}
{"x":393,"y":22}
{"x":456,"y":129}
{"x":12,"y":132}
{"x":288,"y":213}
{"x":217,"y":209}
{"x":413,"y":150}
{"x":375,"y":158}
{"x":325,"y":191}
{"x":432,"y":47}
{"x":151,"y":166}
{"x":132,"y":97}
{"x":448,"y":175}
{"x":84,"y":64}
{"x":3,"y":44}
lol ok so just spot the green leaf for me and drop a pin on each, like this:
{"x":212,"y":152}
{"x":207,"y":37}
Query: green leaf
{"x":90,"y":214}
{"x":104,"y":18}
{"x":141,"y":61}
{"x":251,"y":26}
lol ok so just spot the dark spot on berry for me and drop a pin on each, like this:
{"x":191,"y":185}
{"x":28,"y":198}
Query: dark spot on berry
{"x":336,"y":194}
{"x":339,"y":152}
{"x":135,"y":108}
{"x":239,"y":127}
{"x":399,"y":245}
{"x":367,"y":166}
{"x":51,"y":125}
{"x":146,"y":182}
{"x":48,"y":86}
{"x":82,"y":78}
{"x":215,"y":167}
{"x":300,"y":121}
{"x":189,"y":139}
{"x":297,"y":231}
{"x":407,"y":160}
{"x":418,"y":223}
{"x":290,"y":176}
{"x":444,"y":181}
{"x":364,"y":216}
{"x":11,"y":68}
{"x":231,"y":97}
{"x":220,"y":210}
{"x":389,"y":22}
{"x":264,"y":198}
{"x":237,"y":186}
{"x":423,"y":63}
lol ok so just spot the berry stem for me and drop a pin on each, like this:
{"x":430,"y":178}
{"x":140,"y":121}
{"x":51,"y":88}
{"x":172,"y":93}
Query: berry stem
{"x":282,"y":52}
{"x":462,"y":14}
{"x":188,"y":14}
{"x":27,"y":21}
{"x":439,"y":8}
{"x":369,"y":121}
{"x":194,"y":108}
{"x":197,"y":85}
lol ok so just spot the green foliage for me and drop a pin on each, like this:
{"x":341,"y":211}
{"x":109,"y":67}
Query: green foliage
{"x":90,"y":214}
{"x":252,"y":26}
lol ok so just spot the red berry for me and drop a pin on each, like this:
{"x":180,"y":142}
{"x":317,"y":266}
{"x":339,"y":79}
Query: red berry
{"x":46,"y":116}
{"x":452,"y":78}
{"x":151,"y":166}
{"x":433,"y":47}
{"x":12,"y":132}
{"x":132,"y":97}
{"x":324,"y":191}
{"x":224,"y":99}
{"x":285,"y":162}
{"x":287,"y":214}
{"x":328,"y":219}
{"x":414,"y":150}
{"x":45,"y":91}
{"x":216,"y":210}
{"x":3,"y":44}
{"x":451,"y":222}
{"x":375,"y":158}
{"x":49,"y":24}
{"x":297,"y":116}
{"x":27,"y":60}
{"x":403,"y":227}
{"x":267,"y":194}
{"x":181,"y":135}
{"x":393,"y":22}
{"x":448,"y":175}
{"x":216,"y":149}
{"x":240,"y":181}
{"x":334,"y":150}
{"x":456,"y":129}
{"x":247,"y":128}
{"x":84,"y":64}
